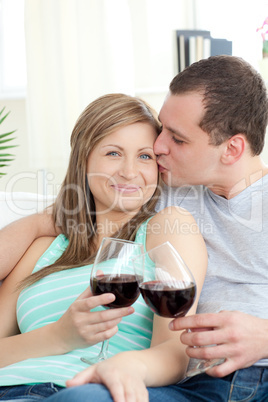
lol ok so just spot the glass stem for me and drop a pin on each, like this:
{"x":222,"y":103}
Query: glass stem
{"x":103,"y":355}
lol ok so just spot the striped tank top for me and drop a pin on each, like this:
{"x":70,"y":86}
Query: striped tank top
{"x":45,"y":302}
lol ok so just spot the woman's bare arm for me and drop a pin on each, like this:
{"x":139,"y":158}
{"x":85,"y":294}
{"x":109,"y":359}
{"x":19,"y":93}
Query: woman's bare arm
{"x":78,"y":327}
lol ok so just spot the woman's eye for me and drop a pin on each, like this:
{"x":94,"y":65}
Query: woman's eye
{"x":145,"y":156}
{"x":112,"y":153}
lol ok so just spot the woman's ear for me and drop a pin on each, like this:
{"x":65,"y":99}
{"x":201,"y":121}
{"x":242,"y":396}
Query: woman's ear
{"x":234,"y":149}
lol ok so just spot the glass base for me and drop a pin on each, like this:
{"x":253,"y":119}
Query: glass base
{"x":203,"y":365}
{"x":93,"y":360}
{"x":103,"y":355}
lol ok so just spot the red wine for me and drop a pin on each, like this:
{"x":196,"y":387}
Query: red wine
{"x":165,"y":300}
{"x":125,"y":288}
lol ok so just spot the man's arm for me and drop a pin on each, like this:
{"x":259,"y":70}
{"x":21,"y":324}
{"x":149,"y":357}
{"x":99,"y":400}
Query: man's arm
{"x":16,"y":237}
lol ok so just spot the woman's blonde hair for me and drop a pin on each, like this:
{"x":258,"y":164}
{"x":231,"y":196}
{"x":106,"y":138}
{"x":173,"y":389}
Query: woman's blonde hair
{"x":74,"y":208}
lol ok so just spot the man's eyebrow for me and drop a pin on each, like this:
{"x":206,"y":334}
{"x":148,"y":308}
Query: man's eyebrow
{"x":176,"y":132}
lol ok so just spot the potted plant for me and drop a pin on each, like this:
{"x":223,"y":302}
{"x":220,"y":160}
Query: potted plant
{"x":264,"y":33}
{"x":4,"y":138}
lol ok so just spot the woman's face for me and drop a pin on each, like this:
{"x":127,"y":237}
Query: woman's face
{"x":122,"y":170}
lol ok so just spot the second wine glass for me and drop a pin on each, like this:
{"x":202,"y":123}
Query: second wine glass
{"x":166,"y":284}
{"x":168,"y":288}
{"x":113,"y":272}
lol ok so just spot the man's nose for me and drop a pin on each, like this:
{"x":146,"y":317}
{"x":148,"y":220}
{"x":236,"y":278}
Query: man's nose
{"x":161,"y":144}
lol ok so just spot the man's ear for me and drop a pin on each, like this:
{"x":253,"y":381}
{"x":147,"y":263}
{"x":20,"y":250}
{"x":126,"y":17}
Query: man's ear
{"x":234,"y":149}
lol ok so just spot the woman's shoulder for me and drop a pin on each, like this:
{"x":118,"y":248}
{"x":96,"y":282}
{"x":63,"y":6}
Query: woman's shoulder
{"x":40,"y":245}
{"x":49,"y":249}
{"x":45,"y":243}
{"x":171,"y":224}
{"x":51,"y":241}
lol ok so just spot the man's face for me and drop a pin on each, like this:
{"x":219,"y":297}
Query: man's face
{"x":184,"y":153}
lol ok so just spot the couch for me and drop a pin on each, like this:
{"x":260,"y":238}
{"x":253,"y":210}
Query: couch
{"x":16,"y":205}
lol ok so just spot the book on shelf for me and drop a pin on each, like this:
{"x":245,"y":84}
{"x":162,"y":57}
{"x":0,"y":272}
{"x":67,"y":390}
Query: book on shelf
{"x":199,"y":47}
{"x":182,"y":52}
{"x":207,"y":48}
{"x":194,"y":45}
{"x":192,"y":50}
{"x":191,"y":47}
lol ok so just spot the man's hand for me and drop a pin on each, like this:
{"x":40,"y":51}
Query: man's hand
{"x":240,"y":338}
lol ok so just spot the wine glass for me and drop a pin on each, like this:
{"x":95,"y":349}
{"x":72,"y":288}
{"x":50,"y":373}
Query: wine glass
{"x":168,"y":288}
{"x":113,"y":272}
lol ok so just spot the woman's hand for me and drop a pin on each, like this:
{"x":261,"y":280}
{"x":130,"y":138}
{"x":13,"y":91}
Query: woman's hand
{"x":124,"y":377}
{"x":80,"y":327}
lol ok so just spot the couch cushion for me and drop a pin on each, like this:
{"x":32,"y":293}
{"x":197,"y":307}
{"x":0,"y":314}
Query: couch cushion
{"x":16,"y":205}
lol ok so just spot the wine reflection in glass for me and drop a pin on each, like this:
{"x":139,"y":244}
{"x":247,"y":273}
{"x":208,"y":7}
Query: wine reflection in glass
{"x":113,"y":272}
{"x":168,"y":288}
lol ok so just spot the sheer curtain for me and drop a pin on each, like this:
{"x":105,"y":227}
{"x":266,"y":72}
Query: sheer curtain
{"x":77,"y":50}
{"x":70,"y":46}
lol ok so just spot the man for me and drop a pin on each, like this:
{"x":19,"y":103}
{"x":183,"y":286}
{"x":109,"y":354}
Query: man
{"x":214,"y":121}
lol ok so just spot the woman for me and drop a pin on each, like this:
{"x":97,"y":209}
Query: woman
{"x":49,"y":317}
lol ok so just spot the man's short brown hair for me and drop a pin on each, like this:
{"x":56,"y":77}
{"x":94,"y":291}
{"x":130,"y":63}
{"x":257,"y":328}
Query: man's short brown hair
{"x":234,"y":97}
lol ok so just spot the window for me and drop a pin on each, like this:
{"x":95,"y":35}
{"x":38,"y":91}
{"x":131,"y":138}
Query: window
{"x":12,"y":49}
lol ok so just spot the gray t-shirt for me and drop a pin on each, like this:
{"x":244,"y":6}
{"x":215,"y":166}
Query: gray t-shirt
{"x":236,"y":236}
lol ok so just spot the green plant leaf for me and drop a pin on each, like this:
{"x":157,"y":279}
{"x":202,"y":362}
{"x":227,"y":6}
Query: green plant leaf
{"x":4,"y":117}
{"x":9,"y":145}
{"x":4,"y":138}
{"x":6,"y":134}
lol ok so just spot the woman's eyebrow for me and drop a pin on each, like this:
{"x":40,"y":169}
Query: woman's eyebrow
{"x":119,"y":147}
{"x":112,"y":145}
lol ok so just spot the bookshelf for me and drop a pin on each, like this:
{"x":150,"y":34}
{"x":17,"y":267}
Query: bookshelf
{"x":194,"y":45}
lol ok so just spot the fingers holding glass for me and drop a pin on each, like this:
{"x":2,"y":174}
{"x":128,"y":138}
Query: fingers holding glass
{"x":113,"y":272}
